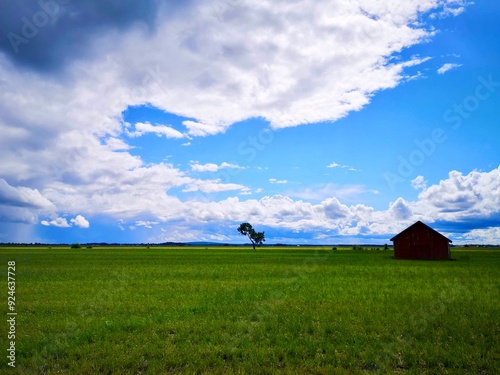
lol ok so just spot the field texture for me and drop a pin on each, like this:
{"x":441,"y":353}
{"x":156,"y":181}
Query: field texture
{"x":235,"y":310}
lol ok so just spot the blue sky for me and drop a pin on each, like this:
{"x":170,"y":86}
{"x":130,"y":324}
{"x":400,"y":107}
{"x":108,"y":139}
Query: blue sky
{"x":316,"y":122}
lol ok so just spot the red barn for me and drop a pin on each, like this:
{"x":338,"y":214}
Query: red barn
{"x":420,"y":241}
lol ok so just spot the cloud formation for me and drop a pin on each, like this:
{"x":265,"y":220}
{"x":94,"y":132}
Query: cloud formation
{"x":195,"y":68}
{"x":59,"y":222}
{"x":276,"y":181}
{"x":42,"y":34}
{"x":142,"y":128}
{"x":62,"y":222}
{"x":447,"y":67}
{"x":80,"y":221}
{"x":336,"y":165}
{"x":22,"y":204}
{"x":419,"y":183}
{"x":22,"y":197}
{"x":211,"y":167}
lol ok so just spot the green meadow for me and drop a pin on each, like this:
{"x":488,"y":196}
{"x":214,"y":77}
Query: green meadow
{"x":237,"y":311}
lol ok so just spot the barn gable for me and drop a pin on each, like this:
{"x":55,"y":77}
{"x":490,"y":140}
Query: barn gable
{"x":420,"y":241}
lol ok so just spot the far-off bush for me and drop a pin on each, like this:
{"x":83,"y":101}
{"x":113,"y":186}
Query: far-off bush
{"x":76,"y":246}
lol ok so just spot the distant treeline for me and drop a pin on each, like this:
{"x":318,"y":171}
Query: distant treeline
{"x":11,"y":244}
{"x":208,"y":244}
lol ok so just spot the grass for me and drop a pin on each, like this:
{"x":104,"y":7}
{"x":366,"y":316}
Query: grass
{"x":234,"y":310}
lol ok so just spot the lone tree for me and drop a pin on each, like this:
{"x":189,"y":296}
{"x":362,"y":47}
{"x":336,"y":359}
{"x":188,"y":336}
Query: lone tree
{"x":256,"y":237}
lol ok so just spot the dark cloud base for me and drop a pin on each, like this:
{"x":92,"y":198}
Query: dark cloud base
{"x":44,"y":35}
{"x":465,"y":226}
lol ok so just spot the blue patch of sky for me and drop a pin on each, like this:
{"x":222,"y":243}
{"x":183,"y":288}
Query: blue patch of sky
{"x":102,"y":229}
{"x":151,"y":147}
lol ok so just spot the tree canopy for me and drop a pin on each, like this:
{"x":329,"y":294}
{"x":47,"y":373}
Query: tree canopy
{"x":257,"y":238}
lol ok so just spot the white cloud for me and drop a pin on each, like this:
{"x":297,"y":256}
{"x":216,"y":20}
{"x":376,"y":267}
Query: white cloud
{"x":202,"y":129}
{"x":436,"y":203}
{"x":414,"y":77}
{"x":275,"y":181}
{"x":80,"y":221}
{"x":146,"y":224}
{"x":212,"y":186}
{"x":211,"y":167}
{"x":336,"y":165}
{"x":400,"y":210}
{"x":116,"y":144}
{"x":283,"y":212}
{"x":142,"y":128}
{"x":416,"y":60}
{"x":486,"y":236}
{"x":447,"y":67}
{"x":120,"y":188}
{"x":59,"y":222}
{"x":461,"y":197}
{"x":62,"y":222}
{"x":452,"y":8}
{"x":450,"y":200}
{"x":419,"y":183}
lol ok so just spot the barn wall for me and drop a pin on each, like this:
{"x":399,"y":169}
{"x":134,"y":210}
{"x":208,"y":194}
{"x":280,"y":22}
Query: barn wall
{"x":421,"y":242}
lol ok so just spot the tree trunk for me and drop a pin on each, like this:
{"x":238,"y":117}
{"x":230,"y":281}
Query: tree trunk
{"x":252,"y":241}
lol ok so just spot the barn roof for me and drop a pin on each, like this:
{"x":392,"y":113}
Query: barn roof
{"x":419,"y":223}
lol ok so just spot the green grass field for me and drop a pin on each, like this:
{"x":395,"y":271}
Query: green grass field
{"x":235,"y":310}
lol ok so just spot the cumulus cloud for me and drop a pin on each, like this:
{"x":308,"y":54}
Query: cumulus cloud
{"x":59,"y":222}
{"x":80,"y":221}
{"x":62,"y":222}
{"x":330,"y":217}
{"x":486,"y":236}
{"x":460,"y":196}
{"x":400,"y":209}
{"x":419,"y":183}
{"x":438,"y":203}
{"x":447,"y":67}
